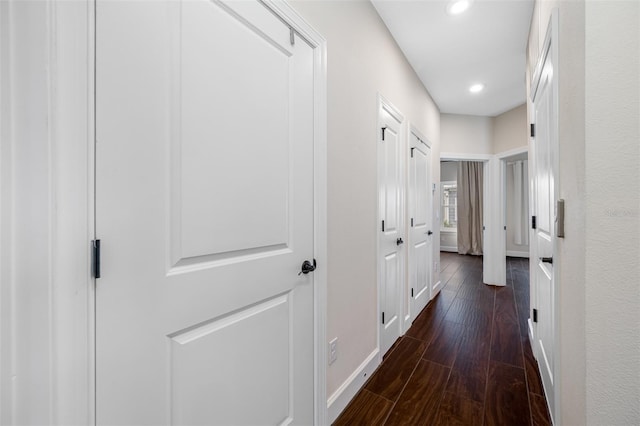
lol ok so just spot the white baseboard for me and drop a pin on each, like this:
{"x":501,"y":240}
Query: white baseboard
{"x":436,"y":289}
{"x":449,"y":249}
{"x":345,"y":393}
{"x":513,"y":253}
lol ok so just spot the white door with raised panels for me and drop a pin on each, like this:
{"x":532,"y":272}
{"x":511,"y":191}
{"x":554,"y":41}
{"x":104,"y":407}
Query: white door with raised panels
{"x":420,"y":224}
{"x":543,"y":279}
{"x":390,"y":226}
{"x":204,"y":206}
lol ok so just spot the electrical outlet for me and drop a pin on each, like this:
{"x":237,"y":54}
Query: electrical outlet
{"x":333,"y":351}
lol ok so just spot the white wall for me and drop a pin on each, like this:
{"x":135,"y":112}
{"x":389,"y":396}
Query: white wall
{"x":470,"y":134}
{"x":510,"y":130}
{"x":363,"y":60}
{"x":466,"y":134}
{"x":612,"y":202}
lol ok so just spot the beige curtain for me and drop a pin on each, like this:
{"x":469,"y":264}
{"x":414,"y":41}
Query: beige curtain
{"x":470,"y":207}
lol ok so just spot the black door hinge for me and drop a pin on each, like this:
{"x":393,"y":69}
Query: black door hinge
{"x":383,"y":129}
{"x":533,"y":222}
{"x":412,"y":152}
{"x":95,"y":261}
{"x":383,"y":226}
{"x":411,"y":221}
{"x":411,"y":292}
{"x":535,"y":315}
{"x":383,"y":317}
{"x":533,"y":130}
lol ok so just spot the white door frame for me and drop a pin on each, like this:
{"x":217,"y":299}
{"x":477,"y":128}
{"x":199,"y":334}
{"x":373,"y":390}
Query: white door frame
{"x":549,"y":49}
{"x":67,"y":368}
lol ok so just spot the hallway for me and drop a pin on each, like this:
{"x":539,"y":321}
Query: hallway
{"x":466,"y":360}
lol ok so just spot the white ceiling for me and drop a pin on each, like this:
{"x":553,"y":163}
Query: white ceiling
{"x":486,"y":44}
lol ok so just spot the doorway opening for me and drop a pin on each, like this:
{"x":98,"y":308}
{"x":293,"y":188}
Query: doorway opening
{"x":462,"y":195}
{"x":515,"y":171}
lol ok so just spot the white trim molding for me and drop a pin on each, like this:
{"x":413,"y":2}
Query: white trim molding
{"x":513,"y":253}
{"x":338,"y":401}
{"x":46,"y":180}
{"x":436,"y":289}
{"x":454,"y":156}
{"x":512,"y":152}
{"x":449,"y":249}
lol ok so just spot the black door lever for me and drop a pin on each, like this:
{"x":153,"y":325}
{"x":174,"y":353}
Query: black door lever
{"x":307,"y":267}
{"x":399,"y":241}
{"x":547,"y":259}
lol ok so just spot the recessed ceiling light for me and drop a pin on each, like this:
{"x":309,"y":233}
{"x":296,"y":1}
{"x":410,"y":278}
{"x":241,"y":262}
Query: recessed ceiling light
{"x":476,"y":88}
{"x":456,"y":7}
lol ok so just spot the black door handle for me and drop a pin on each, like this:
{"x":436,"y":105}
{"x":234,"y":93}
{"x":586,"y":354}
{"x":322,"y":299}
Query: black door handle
{"x":399,"y":241}
{"x":307,"y":267}
{"x":547,"y":259}
{"x":429,"y":232}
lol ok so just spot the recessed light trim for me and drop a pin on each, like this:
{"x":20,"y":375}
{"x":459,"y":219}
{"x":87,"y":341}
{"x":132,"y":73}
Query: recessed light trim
{"x":456,"y":7}
{"x":476,"y":88}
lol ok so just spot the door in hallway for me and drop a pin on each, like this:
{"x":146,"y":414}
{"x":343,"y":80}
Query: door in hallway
{"x":545,"y":156}
{"x":420,"y":224}
{"x":390,"y":225}
{"x":204,"y":205}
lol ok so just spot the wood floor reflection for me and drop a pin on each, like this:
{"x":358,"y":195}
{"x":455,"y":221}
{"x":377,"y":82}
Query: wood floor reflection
{"x":466,"y":360}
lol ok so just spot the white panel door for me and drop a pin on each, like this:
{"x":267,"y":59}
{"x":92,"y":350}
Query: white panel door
{"x":544,"y":233}
{"x":391,"y":241}
{"x":420,"y":224}
{"x":204,"y":205}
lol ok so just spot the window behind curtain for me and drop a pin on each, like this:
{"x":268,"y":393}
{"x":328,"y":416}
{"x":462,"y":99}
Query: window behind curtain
{"x":449,"y":206}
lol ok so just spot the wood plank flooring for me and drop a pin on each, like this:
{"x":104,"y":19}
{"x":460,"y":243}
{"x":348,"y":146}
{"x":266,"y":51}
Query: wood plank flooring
{"x":466,"y":360}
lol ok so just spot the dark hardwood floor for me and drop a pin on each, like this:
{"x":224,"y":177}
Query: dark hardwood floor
{"x":466,"y":360}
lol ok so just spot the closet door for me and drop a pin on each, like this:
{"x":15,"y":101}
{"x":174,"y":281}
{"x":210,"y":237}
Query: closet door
{"x":204,"y":189}
{"x":391,"y":261}
{"x":420,"y":224}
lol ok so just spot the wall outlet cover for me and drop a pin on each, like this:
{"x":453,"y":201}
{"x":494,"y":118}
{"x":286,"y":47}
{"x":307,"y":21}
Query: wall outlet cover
{"x":333,"y":351}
